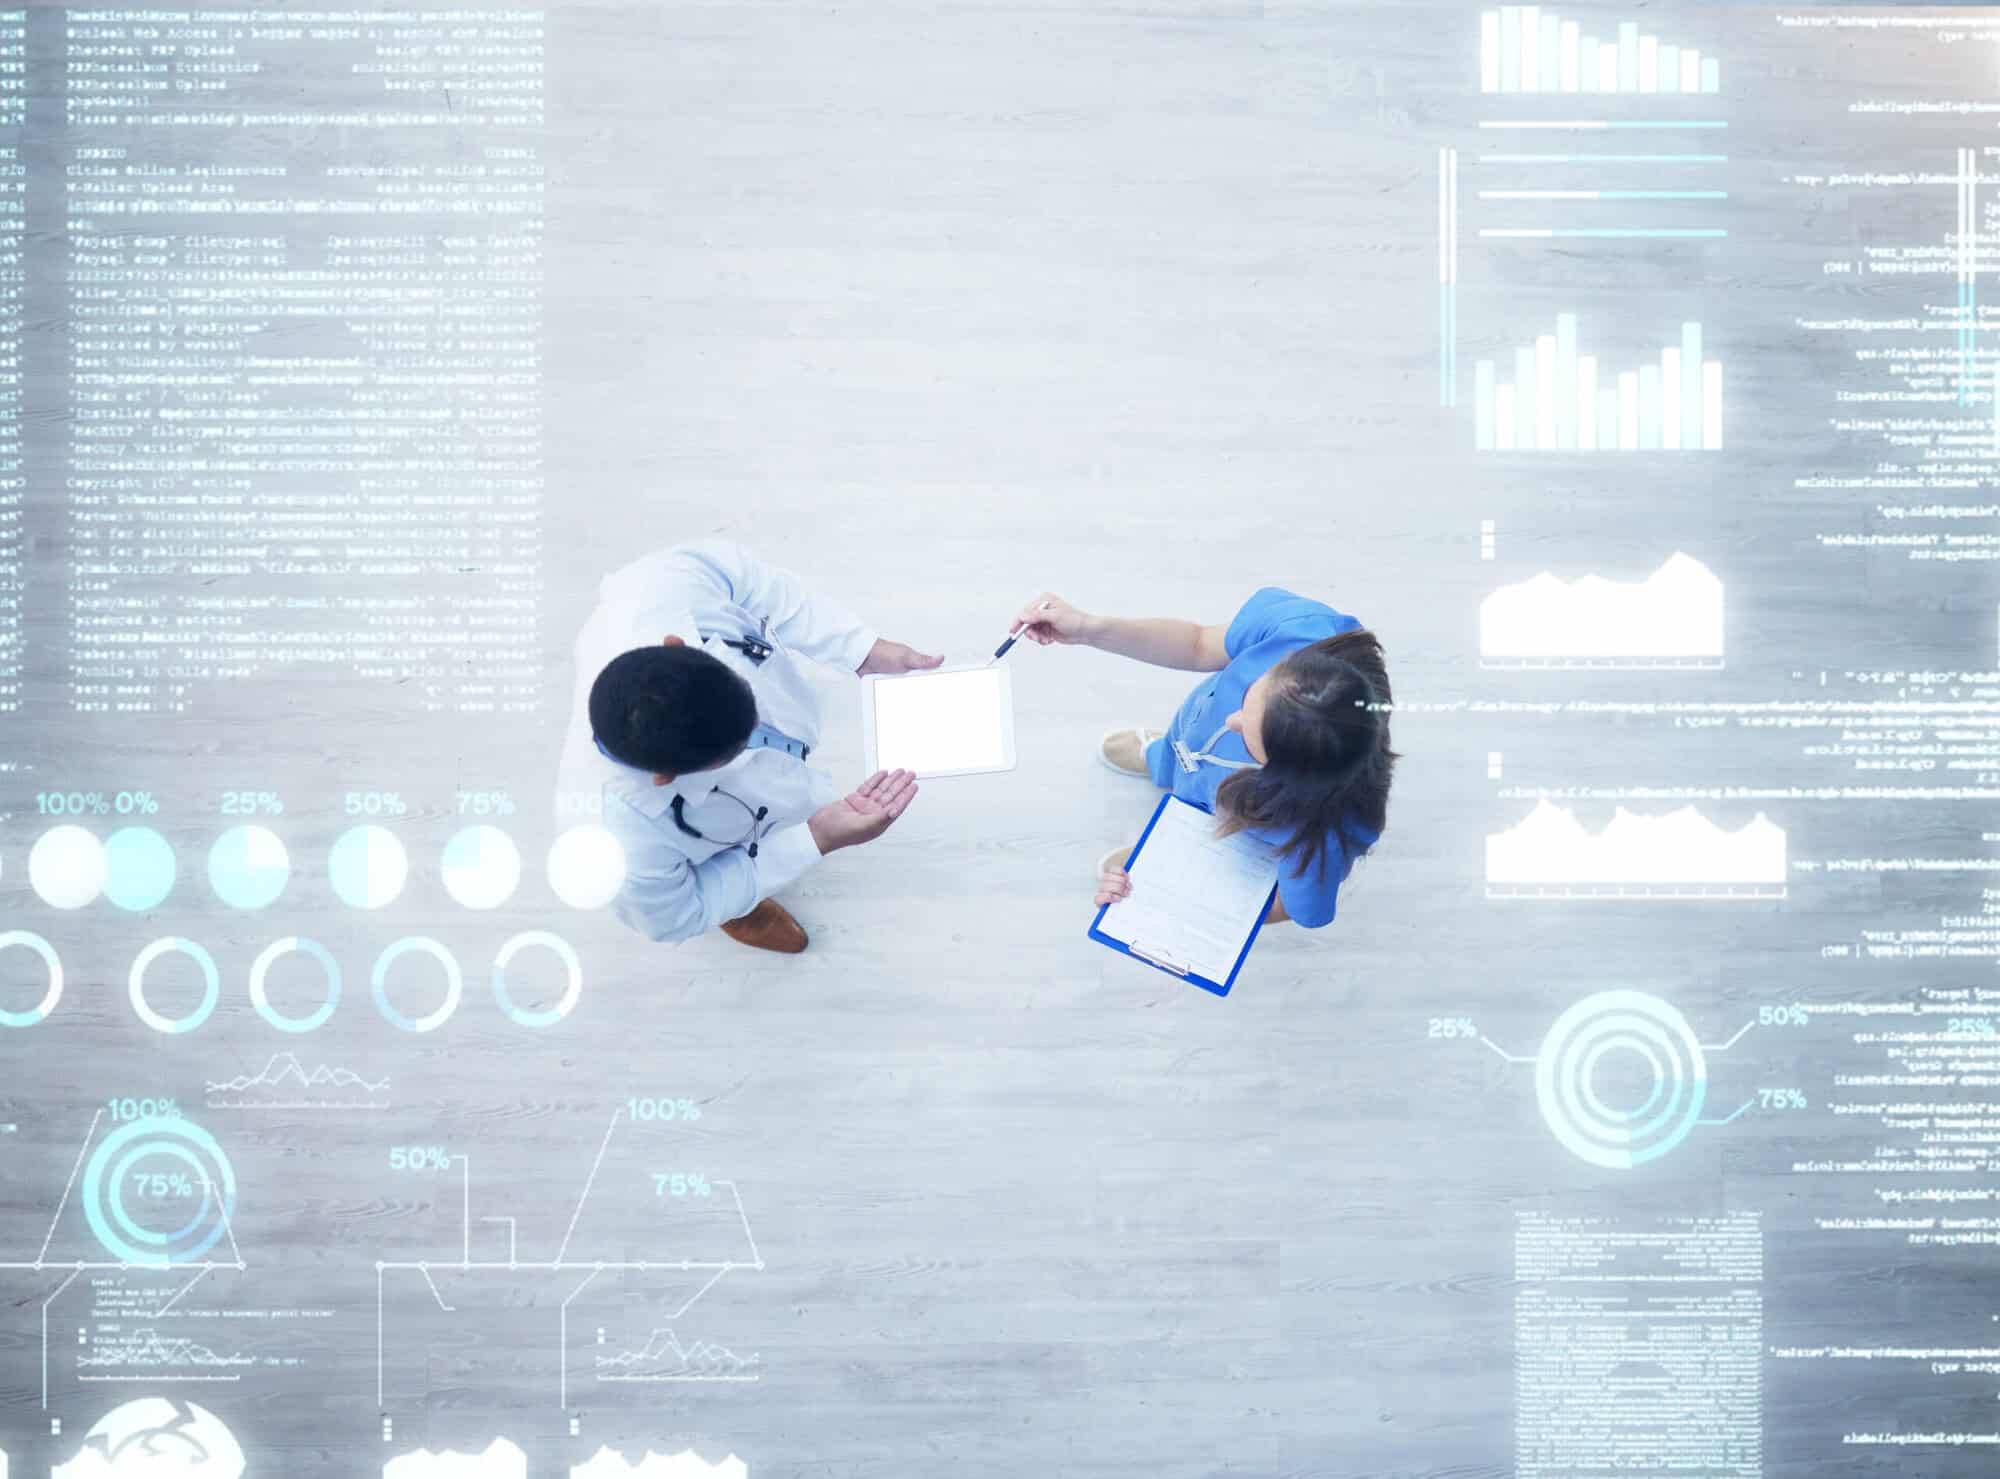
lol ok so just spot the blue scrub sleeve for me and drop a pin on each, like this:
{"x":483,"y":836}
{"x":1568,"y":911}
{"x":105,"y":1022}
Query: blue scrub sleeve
{"x":1273,"y":610}
{"x":1310,"y":900}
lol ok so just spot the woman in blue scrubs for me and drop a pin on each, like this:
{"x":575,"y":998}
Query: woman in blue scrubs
{"x":1288,"y":741}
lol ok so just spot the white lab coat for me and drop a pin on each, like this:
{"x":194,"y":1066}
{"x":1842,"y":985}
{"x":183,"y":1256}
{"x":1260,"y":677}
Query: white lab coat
{"x":678,"y":886}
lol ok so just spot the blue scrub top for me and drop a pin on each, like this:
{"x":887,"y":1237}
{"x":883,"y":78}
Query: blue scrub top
{"x":1272,"y":625}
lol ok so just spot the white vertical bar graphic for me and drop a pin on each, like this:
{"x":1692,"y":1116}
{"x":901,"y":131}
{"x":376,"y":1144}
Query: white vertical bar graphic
{"x":1670,"y":68}
{"x":1586,"y":403}
{"x":1452,"y":259}
{"x":1545,"y":391}
{"x":1690,"y":385}
{"x":1711,"y":406}
{"x":1444,"y":215}
{"x":1531,"y":48}
{"x":1510,"y":48}
{"x":1670,"y":398}
{"x":1628,"y":411}
{"x":1489,"y":51}
{"x":1586,"y":65}
{"x":1607,"y":68}
{"x":1628,"y":57}
{"x":1503,"y":418}
{"x":1711,"y":75}
{"x":1566,"y":381}
{"x":1649,"y":64}
{"x":1690,"y":70}
{"x":1571,"y":37}
{"x":1524,"y":397}
{"x":1451,"y":275}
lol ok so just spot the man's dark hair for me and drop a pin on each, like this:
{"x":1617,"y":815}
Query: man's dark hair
{"x":671,"y":710}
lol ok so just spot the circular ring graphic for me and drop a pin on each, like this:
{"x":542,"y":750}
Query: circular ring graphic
{"x":453,"y":978}
{"x":571,"y":991}
{"x":131,"y":1225}
{"x":211,"y":984}
{"x":28,"y":940}
{"x":1628,"y":1022}
{"x":104,"y":1181}
{"x":1628,"y":1044}
{"x":260,"y":996}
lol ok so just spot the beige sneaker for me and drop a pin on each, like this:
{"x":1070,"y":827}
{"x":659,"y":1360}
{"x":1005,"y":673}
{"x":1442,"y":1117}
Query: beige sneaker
{"x":1124,"y":750}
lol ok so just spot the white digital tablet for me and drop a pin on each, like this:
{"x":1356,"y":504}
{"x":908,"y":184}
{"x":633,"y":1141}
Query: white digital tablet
{"x":952,"y":721}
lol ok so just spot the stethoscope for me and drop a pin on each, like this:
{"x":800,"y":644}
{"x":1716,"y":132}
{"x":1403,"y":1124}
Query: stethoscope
{"x":1192,"y":760}
{"x":753,"y":834}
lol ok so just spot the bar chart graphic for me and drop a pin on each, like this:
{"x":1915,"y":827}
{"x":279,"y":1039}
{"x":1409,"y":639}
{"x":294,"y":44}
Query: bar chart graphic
{"x":1561,"y":400}
{"x":1529,"y":49}
{"x":1682,"y":855}
{"x":1671,"y":619}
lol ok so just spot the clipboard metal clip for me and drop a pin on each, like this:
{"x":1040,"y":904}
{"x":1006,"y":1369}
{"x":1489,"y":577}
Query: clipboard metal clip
{"x":1157,"y":957}
{"x":1186,"y":757}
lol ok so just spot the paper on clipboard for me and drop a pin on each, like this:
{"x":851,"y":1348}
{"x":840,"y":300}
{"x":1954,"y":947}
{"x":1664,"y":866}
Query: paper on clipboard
{"x":1195,"y":897}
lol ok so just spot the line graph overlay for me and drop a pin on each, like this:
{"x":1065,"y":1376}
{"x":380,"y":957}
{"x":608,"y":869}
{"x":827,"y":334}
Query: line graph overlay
{"x":1681,"y":855}
{"x":591,"y":1268}
{"x":664,"y":1359}
{"x":286,"y":1083}
{"x":1671,"y":619}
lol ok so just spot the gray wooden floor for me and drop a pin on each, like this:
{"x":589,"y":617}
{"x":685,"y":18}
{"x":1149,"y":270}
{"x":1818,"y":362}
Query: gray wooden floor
{"x":942,"y":304}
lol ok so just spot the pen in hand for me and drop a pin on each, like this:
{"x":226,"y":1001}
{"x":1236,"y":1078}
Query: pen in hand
{"x":1012,"y":637}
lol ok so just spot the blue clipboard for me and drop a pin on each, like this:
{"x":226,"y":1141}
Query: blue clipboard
{"x":1220,"y":988}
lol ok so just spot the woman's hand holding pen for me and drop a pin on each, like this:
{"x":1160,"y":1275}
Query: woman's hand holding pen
{"x":1052,"y":621}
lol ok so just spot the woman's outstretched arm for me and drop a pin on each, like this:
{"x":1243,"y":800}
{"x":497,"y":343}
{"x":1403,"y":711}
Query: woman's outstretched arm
{"x":1163,"y":641}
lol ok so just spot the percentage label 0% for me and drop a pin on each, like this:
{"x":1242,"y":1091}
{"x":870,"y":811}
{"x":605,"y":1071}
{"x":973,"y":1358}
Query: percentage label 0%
{"x":1781,"y":1099}
{"x":680,"y":1184}
{"x":1451,"y":1027}
{"x":419,"y":1158}
{"x":164,"y":1185}
{"x":647,"y":1110}
{"x":1789,"y":1015}
{"x":143,"y":1109}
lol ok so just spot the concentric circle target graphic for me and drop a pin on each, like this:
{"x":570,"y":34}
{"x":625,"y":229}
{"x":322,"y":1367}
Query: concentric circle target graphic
{"x":1628,"y":1031}
{"x":158,"y":1191}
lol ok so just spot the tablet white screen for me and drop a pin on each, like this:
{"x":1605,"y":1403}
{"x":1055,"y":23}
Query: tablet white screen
{"x":931,"y":722}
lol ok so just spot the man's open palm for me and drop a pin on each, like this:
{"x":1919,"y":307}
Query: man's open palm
{"x":865,"y":812}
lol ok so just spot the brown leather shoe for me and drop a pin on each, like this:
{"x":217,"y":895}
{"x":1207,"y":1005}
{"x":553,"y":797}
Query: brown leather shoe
{"x":769,"y":926}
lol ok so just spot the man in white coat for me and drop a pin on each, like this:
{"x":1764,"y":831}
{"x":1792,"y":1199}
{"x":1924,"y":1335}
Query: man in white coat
{"x":691,"y":730}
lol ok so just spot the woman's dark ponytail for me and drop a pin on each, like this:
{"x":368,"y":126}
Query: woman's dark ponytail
{"x":1326,"y":733}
